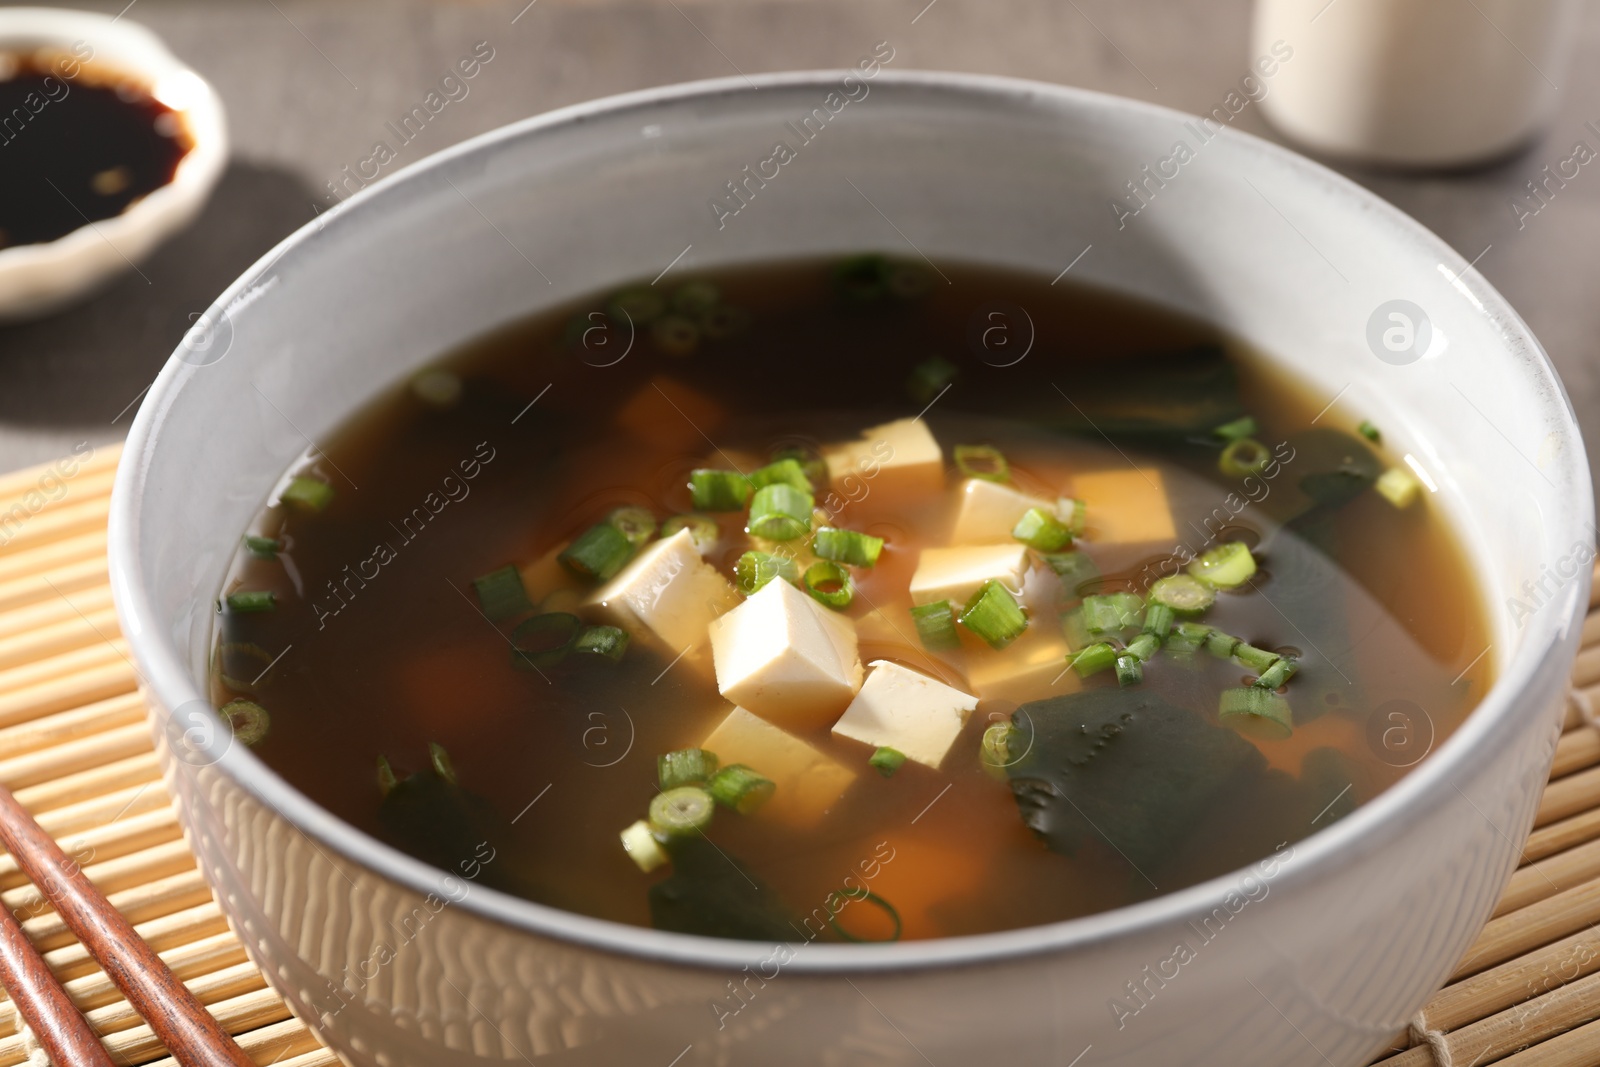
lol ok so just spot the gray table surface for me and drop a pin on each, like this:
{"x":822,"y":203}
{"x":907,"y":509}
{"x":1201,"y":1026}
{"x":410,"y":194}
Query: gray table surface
{"x":309,"y":85}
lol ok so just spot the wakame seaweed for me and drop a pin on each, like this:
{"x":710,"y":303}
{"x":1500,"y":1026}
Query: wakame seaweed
{"x":712,"y":894}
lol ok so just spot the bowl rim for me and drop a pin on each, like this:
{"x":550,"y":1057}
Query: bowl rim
{"x":164,"y":208}
{"x":1547,"y":643}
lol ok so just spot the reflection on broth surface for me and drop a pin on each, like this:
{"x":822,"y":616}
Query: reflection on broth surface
{"x":1113,"y":608}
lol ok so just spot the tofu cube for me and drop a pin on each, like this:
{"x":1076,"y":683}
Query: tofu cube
{"x":907,"y":711}
{"x":1031,"y":668}
{"x":989,"y":511}
{"x":667,"y":592}
{"x":786,"y":657}
{"x":1125,"y":506}
{"x":809,"y":783}
{"x":895,"y":460}
{"x":670,"y":415}
{"x":954,"y":574}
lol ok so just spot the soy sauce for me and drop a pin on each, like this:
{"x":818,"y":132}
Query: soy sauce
{"x":77,"y":145}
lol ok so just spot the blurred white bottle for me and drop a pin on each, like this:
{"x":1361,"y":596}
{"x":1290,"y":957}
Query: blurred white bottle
{"x":1427,"y":83}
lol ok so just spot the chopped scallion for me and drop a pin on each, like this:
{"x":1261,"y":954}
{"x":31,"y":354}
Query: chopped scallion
{"x":830,"y":584}
{"x":1074,"y":630}
{"x":252,"y":600}
{"x":811,"y":464}
{"x":1073,"y":513}
{"x":501,"y":594}
{"x":994,"y":752}
{"x":1074,"y":568}
{"x":682,"y":811}
{"x":263,"y":547}
{"x":442,"y":766}
{"x":779,"y":512}
{"x":785,"y":471}
{"x":248,"y":720}
{"x":1221,"y":645}
{"x":598,"y":553}
{"x":1188,"y":637}
{"x":740,"y":788}
{"x":439,"y":388}
{"x":1244,"y":457}
{"x":544,"y":640}
{"x":307,"y":494}
{"x":1233,"y":431}
{"x":1277,"y":674}
{"x":887,"y":760}
{"x":864,"y":894}
{"x":1094,"y":659}
{"x":608,"y":641}
{"x":1398,"y":487}
{"x":1041,"y":530}
{"x":755,"y":569}
{"x":1370,"y":432}
{"x":696,"y":297}
{"x":714,"y":490}
{"x":847,"y":546}
{"x":982,"y":461}
{"x":1225,"y":566}
{"x":1144,"y":646}
{"x":636,"y":524}
{"x":702,"y":529}
{"x":640,"y":843}
{"x":936,"y":626}
{"x":1111,"y":612}
{"x":640,"y":305}
{"x":386,"y":776}
{"x":930,"y":378}
{"x":994,"y":615}
{"x":1158,"y":620}
{"x":1256,"y":712}
{"x":686,"y":766}
{"x":1130,"y":670}
{"x":1183,"y":593}
{"x":1252,"y":658}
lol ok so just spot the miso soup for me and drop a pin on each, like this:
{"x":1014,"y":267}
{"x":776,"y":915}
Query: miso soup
{"x":848,"y":601}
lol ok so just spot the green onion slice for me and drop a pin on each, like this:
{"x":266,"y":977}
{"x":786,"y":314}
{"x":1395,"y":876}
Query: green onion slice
{"x":982,"y":461}
{"x":686,"y":766}
{"x":1076,"y":633}
{"x":1188,"y":637}
{"x":640,"y":843}
{"x":936,"y":626}
{"x":598,"y":553}
{"x":887,"y":760}
{"x":755,"y":569}
{"x":1111,"y":612}
{"x":1256,"y":712}
{"x":501,"y":595}
{"x":1252,"y":658}
{"x":607,"y":641}
{"x":241,"y":664}
{"x":386,"y":776}
{"x":1143,"y":647}
{"x":1041,"y":530}
{"x":865,"y":894}
{"x":1370,"y":432}
{"x":1244,"y":457}
{"x":830,"y":584}
{"x":1074,"y":513}
{"x":682,"y":811}
{"x":544,"y":640}
{"x":696,"y":297}
{"x":439,"y":388}
{"x":779,"y":512}
{"x":740,"y":788}
{"x":675,"y":335}
{"x":442,"y":766}
{"x":1074,"y":568}
{"x":786,"y":471}
{"x":1094,"y":659}
{"x":1226,"y":566}
{"x":263,"y":547}
{"x":930,"y":378}
{"x":1130,"y":670}
{"x":1158,"y":620}
{"x":640,"y":305}
{"x":994,"y":615}
{"x":1221,"y":645}
{"x":994,"y":752}
{"x":248,"y":719}
{"x":1183,"y":593}
{"x":307,"y":494}
{"x":703,"y":529}
{"x":1233,"y":431}
{"x":812,"y":465}
{"x":1277,"y":674}
{"x":847,"y":546}
{"x":252,"y":600}
{"x":636,"y":524}
{"x":714,"y":490}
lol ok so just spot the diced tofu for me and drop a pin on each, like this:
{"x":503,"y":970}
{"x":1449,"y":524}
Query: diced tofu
{"x":896,"y":459}
{"x":809,"y":783}
{"x":990,"y":510}
{"x":667,"y":592}
{"x":786,"y":657}
{"x":907,"y":711}
{"x":954,"y":574}
{"x":1125,"y":506}
{"x":670,"y":415}
{"x":1031,"y":668}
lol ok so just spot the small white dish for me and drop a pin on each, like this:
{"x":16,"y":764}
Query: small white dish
{"x":36,"y":279}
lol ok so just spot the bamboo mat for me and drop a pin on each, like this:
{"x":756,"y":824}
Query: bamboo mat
{"x":75,"y":749}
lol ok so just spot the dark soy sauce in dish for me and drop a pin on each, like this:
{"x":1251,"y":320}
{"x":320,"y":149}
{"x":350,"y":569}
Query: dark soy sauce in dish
{"x":1116,"y":749}
{"x":78,"y":144}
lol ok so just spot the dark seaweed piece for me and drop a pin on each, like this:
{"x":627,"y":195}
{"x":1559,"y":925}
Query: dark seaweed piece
{"x":712,"y":894}
{"x":1331,"y":467}
{"x":1122,"y":765}
{"x":1181,"y":397}
{"x":434,"y":819}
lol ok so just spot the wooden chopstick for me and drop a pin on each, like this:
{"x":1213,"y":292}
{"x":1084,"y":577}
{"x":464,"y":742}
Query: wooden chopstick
{"x":56,"y":1022}
{"x":175,"y":1015}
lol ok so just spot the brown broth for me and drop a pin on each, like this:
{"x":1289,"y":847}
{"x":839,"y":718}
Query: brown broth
{"x":390,"y":651}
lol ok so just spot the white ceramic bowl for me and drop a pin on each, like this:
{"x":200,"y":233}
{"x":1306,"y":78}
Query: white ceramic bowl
{"x":394,"y":962}
{"x":36,"y":279}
